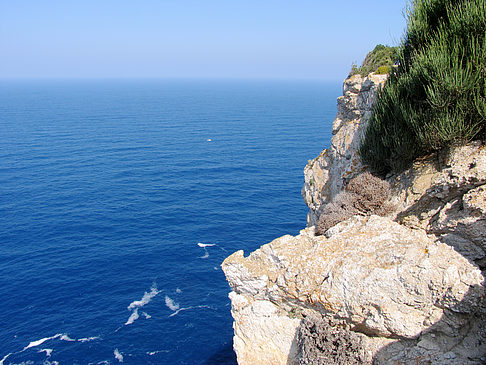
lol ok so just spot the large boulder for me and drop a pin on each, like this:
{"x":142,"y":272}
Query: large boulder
{"x":378,"y":281}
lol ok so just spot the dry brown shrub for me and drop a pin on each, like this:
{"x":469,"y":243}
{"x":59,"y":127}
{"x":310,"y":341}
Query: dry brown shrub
{"x":341,"y":208}
{"x":364,"y":194}
{"x":372,"y":192}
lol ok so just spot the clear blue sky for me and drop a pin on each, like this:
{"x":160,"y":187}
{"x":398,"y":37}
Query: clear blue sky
{"x":309,"y":39}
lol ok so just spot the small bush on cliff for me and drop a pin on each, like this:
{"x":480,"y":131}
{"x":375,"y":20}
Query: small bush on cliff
{"x":372,"y":193}
{"x":436,"y":97}
{"x":341,"y":208}
{"x":364,"y":194}
{"x":383,"y":70}
{"x":380,"y":60}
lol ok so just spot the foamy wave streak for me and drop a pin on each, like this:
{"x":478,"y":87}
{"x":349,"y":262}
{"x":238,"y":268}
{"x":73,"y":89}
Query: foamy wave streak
{"x":152,"y":353}
{"x":47,"y":351}
{"x":147,"y":297}
{"x":118,"y":355}
{"x":173,"y":306}
{"x":88,"y":339}
{"x":5,"y":358}
{"x":41,"y":341}
{"x":67,"y":338}
{"x":187,"y":308}
{"x":203,"y":246}
{"x":36,"y":343}
{"x":133,"y":317}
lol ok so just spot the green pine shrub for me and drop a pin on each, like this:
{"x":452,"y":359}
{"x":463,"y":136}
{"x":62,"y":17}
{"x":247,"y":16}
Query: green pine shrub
{"x":379,"y":60}
{"x":436,"y":97}
{"x":382,"y":70}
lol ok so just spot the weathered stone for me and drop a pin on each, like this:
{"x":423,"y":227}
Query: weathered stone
{"x":383,"y":279}
{"x":445,"y":195}
{"x":402,"y":289}
{"x":263,"y":335}
{"x":325,"y":175}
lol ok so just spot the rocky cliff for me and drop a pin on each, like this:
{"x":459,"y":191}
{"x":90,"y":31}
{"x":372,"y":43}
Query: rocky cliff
{"x":325,"y":176}
{"x":405,"y":288}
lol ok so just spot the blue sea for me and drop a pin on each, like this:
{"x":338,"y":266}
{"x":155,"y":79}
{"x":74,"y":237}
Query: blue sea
{"x":119,"y":199}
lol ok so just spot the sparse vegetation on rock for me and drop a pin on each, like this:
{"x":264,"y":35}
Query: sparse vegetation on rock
{"x":364,"y":194}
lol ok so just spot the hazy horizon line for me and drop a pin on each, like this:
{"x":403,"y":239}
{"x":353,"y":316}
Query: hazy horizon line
{"x":174,"y":78}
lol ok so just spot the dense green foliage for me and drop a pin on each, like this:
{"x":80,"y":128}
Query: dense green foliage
{"x":436,"y":97}
{"x":379,"y":60}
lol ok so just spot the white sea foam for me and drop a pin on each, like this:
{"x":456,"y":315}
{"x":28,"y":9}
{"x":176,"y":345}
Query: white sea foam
{"x":47,"y":351}
{"x":5,"y":358}
{"x":146,"y":315}
{"x":205,"y":244}
{"x":152,"y":353}
{"x":41,"y":341}
{"x":179,"y":310}
{"x":133,"y":317}
{"x":178,"y":291}
{"x":147,"y":297}
{"x":38,"y":343}
{"x":185,"y":309}
{"x":87,"y":339}
{"x":118,"y":356}
{"x":173,"y":306}
{"x":67,"y":338}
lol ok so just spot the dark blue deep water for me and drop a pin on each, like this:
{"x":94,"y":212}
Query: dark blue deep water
{"x":120,"y":199}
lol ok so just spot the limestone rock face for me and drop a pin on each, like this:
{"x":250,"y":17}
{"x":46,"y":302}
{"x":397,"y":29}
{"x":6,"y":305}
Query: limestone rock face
{"x":402,"y":289}
{"x":383,"y":282}
{"x":264,"y":334}
{"x":445,"y":195}
{"x":324,"y":176}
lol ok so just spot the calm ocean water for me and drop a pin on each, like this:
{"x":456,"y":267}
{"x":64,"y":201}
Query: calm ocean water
{"x":120,"y":199}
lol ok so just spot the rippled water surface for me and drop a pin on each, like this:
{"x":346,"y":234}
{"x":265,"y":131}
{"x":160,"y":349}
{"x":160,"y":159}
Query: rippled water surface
{"x":120,"y":199}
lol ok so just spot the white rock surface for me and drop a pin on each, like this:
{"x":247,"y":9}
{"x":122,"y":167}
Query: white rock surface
{"x":445,"y":195}
{"x":403,"y":289}
{"x":324,"y":176}
{"x":262,"y":334}
{"x":386,"y":281}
